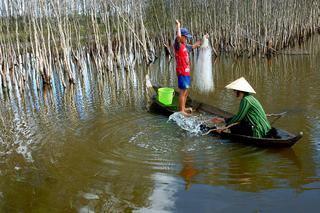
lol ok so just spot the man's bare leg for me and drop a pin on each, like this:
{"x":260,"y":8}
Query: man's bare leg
{"x":183,"y":94}
{"x":181,"y":100}
{"x":187,"y":109}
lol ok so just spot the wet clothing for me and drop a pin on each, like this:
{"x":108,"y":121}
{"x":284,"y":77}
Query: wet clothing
{"x":182,"y":58}
{"x":184,"y":82}
{"x":251,"y":114}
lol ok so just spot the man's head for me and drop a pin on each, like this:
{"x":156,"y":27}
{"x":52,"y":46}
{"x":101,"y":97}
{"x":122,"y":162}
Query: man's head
{"x":240,"y":94}
{"x":185,"y":32}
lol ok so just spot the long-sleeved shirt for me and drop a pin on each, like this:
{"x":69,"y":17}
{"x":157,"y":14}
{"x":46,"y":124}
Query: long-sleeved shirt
{"x":251,"y":111}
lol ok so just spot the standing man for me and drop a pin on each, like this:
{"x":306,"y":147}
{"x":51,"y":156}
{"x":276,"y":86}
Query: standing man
{"x":182,"y":49}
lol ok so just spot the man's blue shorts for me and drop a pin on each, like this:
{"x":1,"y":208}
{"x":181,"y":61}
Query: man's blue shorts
{"x":184,"y":82}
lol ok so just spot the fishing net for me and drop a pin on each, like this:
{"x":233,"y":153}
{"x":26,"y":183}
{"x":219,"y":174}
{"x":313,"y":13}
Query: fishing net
{"x":196,"y":125}
{"x":203,"y":75}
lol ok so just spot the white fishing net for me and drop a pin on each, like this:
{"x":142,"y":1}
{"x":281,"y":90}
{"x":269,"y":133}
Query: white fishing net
{"x":195,"y":124}
{"x":203,"y":75}
{"x":190,"y":124}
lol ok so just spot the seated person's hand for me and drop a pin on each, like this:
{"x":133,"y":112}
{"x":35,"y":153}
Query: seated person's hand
{"x":219,"y":131}
{"x":217,"y":120}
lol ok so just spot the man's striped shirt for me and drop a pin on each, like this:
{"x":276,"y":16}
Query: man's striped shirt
{"x":252,"y":112}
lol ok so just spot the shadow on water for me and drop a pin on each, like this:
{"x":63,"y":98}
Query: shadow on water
{"x":94,"y":147}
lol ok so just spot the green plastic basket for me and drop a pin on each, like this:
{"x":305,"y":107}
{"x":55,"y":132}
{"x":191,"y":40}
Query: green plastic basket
{"x":165,"y":95}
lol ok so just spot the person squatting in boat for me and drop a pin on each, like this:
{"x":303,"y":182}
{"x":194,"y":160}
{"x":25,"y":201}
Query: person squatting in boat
{"x":251,"y":117}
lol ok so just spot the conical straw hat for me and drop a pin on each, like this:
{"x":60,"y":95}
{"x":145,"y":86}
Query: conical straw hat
{"x":241,"y":84}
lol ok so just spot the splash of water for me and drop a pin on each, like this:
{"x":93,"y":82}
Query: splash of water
{"x":203,"y":77}
{"x":190,"y":124}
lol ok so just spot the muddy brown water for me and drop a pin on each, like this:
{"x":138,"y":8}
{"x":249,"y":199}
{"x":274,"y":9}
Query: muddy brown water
{"x":96,"y":148}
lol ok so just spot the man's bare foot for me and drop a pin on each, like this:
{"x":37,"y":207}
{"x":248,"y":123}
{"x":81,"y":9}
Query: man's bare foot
{"x":189,"y":110}
{"x":185,"y":113}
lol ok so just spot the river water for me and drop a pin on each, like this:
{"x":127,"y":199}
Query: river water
{"x":96,"y":148}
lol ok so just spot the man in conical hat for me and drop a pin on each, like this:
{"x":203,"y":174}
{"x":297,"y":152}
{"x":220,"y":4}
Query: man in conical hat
{"x":251,"y":117}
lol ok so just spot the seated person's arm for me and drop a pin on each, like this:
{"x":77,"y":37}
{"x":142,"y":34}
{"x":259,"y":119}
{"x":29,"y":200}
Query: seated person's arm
{"x":243,"y":110}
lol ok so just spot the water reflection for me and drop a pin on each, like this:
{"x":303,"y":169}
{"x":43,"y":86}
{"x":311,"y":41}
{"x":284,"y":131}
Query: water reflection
{"x":162,"y":198}
{"x":248,"y":171}
{"x":188,"y":171}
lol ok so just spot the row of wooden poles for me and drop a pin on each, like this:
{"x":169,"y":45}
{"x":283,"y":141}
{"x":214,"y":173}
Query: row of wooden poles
{"x":242,"y":28}
{"x":40,"y":38}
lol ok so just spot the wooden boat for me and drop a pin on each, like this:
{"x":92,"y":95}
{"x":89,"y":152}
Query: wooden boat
{"x":282,"y":139}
